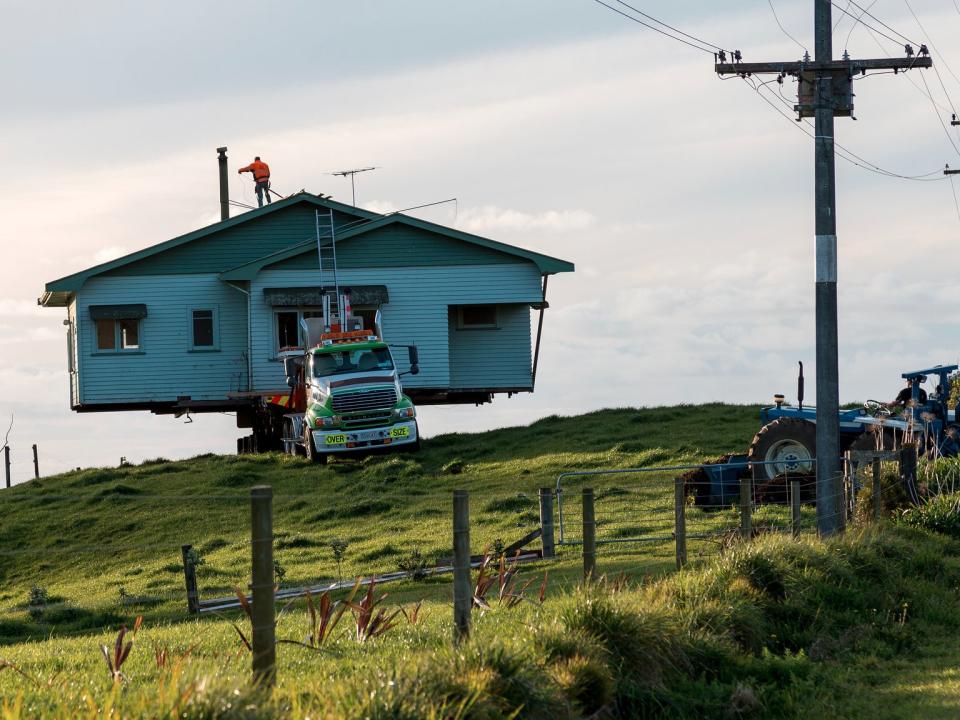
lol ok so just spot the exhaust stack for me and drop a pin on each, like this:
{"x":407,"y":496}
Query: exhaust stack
{"x":224,"y":184}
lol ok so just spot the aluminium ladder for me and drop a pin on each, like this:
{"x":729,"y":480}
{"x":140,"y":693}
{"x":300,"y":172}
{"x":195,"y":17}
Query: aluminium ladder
{"x":327,"y":258}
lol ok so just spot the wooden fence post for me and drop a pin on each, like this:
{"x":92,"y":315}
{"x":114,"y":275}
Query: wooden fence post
{"x":877,"y":492}
{"x":190,"y":577}
{"x":746,"y":508}
{"x":36,"y":463}
{"x":795,"y":507}
{"x":6,"y":462}
{"x":680,"y":521}
{"x":462,"y":596}
{"x":263,"y":620}
{"x":589,"y":537}
{"x":546,"y":522}
{"x":908,"y":469}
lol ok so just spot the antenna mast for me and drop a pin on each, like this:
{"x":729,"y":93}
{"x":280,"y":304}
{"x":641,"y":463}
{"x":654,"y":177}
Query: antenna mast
{"x":352,"y":174}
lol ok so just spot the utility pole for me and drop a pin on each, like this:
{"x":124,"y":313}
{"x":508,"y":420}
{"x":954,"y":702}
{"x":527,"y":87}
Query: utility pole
{"x":825,"y":91}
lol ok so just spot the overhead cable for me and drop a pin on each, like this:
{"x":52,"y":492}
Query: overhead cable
{"x":854,"y":24}
{"x":660,"y":22}
{"x":867,"y":25}
{"x":784,"y":30}
{"x":662,"y":32}
{"x":874,"y":17}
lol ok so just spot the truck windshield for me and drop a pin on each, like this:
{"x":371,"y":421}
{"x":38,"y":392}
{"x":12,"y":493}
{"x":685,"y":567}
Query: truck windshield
{"x":351,"y":361}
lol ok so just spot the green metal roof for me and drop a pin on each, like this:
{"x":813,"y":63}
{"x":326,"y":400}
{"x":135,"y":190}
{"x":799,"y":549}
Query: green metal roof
{"x":545,"y":263}
{"x":57,"y":292}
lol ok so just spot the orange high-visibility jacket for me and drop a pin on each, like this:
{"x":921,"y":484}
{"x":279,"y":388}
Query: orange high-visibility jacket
{"x":260,"y":170}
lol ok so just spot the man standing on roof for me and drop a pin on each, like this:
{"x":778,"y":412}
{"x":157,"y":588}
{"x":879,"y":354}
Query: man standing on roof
{"x":261,"y":176}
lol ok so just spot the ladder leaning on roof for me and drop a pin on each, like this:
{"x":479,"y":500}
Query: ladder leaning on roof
{"x":327,"y":257}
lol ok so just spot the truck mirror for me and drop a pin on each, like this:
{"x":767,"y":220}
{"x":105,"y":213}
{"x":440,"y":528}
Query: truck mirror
{"x":291,"y":368}
{"x":414,"y":369}
{"x":414,"y":356}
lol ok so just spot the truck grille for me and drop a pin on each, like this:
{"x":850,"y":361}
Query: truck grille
{"x":361,"y":401}
{"x":367,"y":420}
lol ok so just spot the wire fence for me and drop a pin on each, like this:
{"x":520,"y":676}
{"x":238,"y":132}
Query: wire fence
{"x":642,"y":521}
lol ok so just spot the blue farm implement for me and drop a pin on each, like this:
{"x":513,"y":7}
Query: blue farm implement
{"x":785,"y":446}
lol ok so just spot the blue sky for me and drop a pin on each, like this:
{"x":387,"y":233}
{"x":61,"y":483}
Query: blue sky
{"x":685,"y":202}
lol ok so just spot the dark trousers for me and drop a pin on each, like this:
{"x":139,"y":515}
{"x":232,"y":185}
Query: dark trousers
{"x":263,"y":188}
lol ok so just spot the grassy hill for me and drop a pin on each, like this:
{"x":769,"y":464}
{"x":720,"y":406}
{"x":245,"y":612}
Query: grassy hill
{"x":105,"y":541}
{"x":774,"y":629}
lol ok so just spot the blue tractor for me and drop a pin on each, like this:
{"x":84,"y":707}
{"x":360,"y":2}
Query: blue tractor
{"x":786,"y":443}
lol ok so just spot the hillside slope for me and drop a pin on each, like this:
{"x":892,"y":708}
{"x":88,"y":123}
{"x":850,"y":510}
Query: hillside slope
{"x":105,"y":542}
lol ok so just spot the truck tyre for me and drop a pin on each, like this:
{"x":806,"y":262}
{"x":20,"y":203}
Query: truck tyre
{"x":786,"y":445}
{"x":313,"y":454}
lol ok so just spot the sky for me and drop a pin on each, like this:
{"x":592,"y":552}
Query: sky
{"x":685,"y":202}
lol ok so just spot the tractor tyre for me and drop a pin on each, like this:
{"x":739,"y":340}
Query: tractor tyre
{"x":786,"y":446}
{"x":313,"y":455}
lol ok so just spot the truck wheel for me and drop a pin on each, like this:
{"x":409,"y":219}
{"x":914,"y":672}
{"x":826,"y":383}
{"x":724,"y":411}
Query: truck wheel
{"x":786,"y":445}
{"x":313,"y":454}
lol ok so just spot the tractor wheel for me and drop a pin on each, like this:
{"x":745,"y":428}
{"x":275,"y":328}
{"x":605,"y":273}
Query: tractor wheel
{"x":784,"y":446}
{"x":313,"y":454}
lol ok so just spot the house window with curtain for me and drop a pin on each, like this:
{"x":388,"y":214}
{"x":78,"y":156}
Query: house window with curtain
{"x":117,"y":327}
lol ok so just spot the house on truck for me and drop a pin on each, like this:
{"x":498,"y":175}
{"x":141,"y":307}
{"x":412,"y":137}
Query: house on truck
{"x":197,"y":323}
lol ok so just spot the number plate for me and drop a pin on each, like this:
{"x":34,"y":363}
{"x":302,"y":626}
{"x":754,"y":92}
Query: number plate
{"x":336,"y":439}
{"x":398,"y":432}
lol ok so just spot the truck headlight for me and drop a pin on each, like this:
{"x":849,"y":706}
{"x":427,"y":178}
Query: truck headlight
{"x":406,"y":412}
{"x":327,"y":421}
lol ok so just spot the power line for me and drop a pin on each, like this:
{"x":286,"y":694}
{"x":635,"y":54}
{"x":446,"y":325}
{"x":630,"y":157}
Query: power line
{"x":870,"y":15}
{"x":956,"y":203}
{"x":940,"y":118}
{"x":930,"y":43}
{"x":660,"y":22}
{"x":656,"y":29}
{"x":784,"y":30}
{"x":853,"y":25}
{"x":844,"y":153}
{"x":867,"y":25}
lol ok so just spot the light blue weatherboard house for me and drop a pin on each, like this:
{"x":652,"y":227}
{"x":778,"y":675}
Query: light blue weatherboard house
{"x":195,"y":323}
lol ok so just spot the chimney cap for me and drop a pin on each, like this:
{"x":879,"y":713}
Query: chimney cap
{"x":221,"y":150}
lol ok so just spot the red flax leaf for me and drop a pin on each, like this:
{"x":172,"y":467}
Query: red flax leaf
{"x":118,"y":649}
{"x":244,"y":603}
{"x":543,"y":588}
{"x":106,"y":658}
{"x":6,"y":665}
{"x":137,"y":623}
{"x":243,"y":637}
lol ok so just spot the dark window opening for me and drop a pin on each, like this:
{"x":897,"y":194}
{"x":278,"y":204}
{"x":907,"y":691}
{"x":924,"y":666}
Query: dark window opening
{"x":203,"y":328}
{"x":106,"y":335}
{"x":288,"y":330}
{"x":129,"y":333}
{"x":478,"y":316}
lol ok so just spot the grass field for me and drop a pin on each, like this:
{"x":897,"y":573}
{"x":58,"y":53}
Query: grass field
{"x":104,"y":545}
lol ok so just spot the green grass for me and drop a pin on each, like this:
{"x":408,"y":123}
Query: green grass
{"x":776,"y":629}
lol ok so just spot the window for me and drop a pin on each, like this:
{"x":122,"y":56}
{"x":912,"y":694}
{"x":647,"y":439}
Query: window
{"x":339,"y":363}
{"x":477,"y":317}
{"x":204,"y":329}
{"x":288,"y":333}
{"x":114,"y":335}
{"x":117,"y":327}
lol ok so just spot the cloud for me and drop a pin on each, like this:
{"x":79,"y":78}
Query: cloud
{"x":492,"y":219}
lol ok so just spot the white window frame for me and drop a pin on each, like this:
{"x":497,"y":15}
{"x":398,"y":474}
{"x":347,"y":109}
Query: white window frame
{"x":118,"y":347}
{"x":300,"y":310}
{"x":192,"y":347}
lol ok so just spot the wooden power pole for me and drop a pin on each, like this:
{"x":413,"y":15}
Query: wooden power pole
{"x":825,"y":91}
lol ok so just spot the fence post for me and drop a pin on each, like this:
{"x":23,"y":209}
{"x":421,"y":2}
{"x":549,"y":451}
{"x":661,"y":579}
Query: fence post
{"x":36,"y":463}
{"x":795,"y":507}
{"x":261,"y":549}
{"x":680,"y":522}
{"x":546,"y":522}
{"x":589,"y":537}
{"x":6,"y":462}
{"x":908,"y":469}
{"x":746,"y":508}
{"x":877,"y":493}
{"x":462,"y":597}
{"x":190,"y":577}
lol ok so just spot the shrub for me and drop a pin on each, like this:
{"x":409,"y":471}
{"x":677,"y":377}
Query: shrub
{"x":37,"y":602}
{"x":415,"y":565}
{"x":454,"y":467}
{"x":941,"y":514}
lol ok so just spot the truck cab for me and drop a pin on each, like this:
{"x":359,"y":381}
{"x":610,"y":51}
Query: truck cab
{"x":347,"y":394}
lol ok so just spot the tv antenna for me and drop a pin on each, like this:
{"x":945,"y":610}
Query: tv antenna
{"x":352,"y":174}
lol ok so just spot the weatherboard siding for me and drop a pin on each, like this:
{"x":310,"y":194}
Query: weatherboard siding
{"x":165,"y":368}
{"x":400,"y":246}
{"x":417,"y":312}
{"x":491,"y":357}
